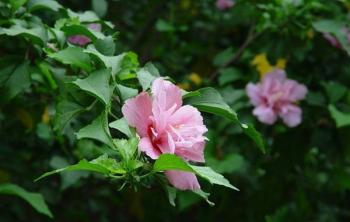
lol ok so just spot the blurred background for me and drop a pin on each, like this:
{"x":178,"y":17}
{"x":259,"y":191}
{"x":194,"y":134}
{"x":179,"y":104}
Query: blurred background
{"x":305,"y":173}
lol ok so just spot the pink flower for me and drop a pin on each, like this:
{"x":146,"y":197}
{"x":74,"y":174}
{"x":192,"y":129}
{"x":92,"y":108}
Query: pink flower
{"x":334,"y":41}
{"x":81,"y":39}
{"x":167,"y":126}
{"x":224,"y":4}
{"x":276,"y":96}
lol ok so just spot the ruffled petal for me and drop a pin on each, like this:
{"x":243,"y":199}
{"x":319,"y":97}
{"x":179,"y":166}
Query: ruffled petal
{"x":166,"y":94}
{"x":291,"y":115}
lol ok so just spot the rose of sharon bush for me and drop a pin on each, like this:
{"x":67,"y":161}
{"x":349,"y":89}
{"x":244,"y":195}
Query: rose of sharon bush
{"x":276,"y":96}
{"x":81,"y":39}
{"x":224,"y":4}
{"x":166,"y":126}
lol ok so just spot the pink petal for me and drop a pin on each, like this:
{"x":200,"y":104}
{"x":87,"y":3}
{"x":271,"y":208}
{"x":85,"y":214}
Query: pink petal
{"x":166,"y":94}
{"x":146,"y":146}
{"x":195,"y":153}
{"x":79,"y":40}
{"x":137,"y":112}
{"x":293,"y":91}
{"x":291,"y":115}
{"x":166,"y":143}
{"x":265,"y":114}
{"x":332,"y":40}
{"x":254,"y":93}
{"x":276,"y":74}
{"x":95,"y":27}
{"x":186,"y":115}
{"x":224,"y":4}
{"x":182,"y":180}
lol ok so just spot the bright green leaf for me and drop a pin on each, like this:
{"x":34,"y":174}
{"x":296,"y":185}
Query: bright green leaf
{"x":123,"y":126}
{"x":97,"y":130}
{"x":341,"y":119}
{"x":97,"y":84}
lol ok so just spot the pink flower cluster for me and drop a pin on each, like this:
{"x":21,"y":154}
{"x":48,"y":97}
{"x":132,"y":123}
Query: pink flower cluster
{"x":334,"y":41}
{"x":276,"y":96}
{"x":224,"y":4}
{"x":81,"y":39}
{"x":165,"y":125}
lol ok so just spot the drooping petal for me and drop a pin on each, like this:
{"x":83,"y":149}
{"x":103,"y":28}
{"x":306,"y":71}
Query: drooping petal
{"x":254,"y":93}
{"x":137,"y":112}
{"x":291,"y":115}
{"x":182,"y":180}
{"x":166,"y":94}
{"x":265,"y":114}
{"x":146,"y":146}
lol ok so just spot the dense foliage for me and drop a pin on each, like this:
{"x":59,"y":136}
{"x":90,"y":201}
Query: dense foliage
{"x":67,"y":68}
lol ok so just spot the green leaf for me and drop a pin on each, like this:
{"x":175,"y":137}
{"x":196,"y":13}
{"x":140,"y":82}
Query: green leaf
{"x":171,"y":195}
{"x":113,"y":62}
{"x":16,"y":4}
{"x":100,"y":7}
{"x":73,"y":56}
{"x":65,"y":111}
{"x":36,"y":33}
{"x":97,"y":84}
{"x":341,"y":119}
{"x":35,"y":5}
{"x":126,"y":92}
{"x":127,"y":148}
{"x":123,"y":127}
{"x":97,"y":130}
{"x":171,"y":162}
{"x":82,"y":165}
{"x":145,"y":77}
{"x":36,"y":200}
{"x":105,"y":46}
{"x":109,"y":163}
{"x":335,"y":91}
{"x":229,"y":75}
{"x":17,"y":82}
{"x":164,"y":26}
{"x":230,"y":163}
{"x":223,"y":57}
{"x":213,"y":177}
{"x":204,"y":195}
{"x":211,"y":101}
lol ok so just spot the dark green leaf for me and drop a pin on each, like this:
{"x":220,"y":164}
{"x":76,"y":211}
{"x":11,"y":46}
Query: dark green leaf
{"x":105,"y":46}
{"x":34,"y":5}
{"x":66,"y":110}
{"x":73,"y":56}
{"x":100,"y":7}
{"x":36,"y":200}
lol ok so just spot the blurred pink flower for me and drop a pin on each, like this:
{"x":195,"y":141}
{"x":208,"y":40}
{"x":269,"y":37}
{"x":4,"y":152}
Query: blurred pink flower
{"x":166,"y":126}
{"x":224,"y":4}
{"x":334,"y":41}
{"x":81,"y":39}
{"x":276,"y":96}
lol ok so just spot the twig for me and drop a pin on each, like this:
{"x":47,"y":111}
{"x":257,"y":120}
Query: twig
{"x":250,"y":38}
